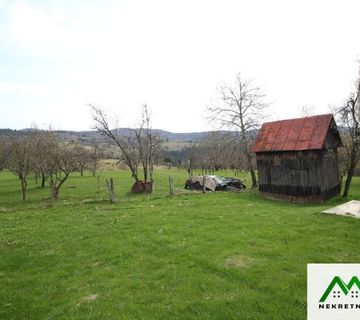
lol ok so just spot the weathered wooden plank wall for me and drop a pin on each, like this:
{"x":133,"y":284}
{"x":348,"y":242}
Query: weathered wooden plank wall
{"x":310,"y":173}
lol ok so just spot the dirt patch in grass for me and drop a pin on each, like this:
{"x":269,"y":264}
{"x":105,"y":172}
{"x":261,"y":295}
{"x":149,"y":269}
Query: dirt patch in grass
{"x":90,"y":298}
{"x":239,"y":261}
{"x":96,"y":264}
{"x":87,"y":299}
{"x":7,"y":210}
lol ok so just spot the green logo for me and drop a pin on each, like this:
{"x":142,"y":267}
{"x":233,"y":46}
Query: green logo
{"x":345,"y":288}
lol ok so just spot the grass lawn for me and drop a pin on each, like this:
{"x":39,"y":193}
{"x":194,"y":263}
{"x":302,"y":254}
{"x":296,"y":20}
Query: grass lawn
{"x":220,"y":255}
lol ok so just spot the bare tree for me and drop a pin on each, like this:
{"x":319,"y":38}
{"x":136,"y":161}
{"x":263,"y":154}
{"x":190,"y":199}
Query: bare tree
{"x":20,"y":159}
{"x":149,"y":145}
{"x":44,"y":140}
{"x":306,"y":111}
{"x":102,"y":124}
{"x":3,"y":153}
{"x":95,"y":155}
{"x":191,"y":150}
{"x":61,"y":162}
{"x":82,"y":158}
{"x":216,"y":150}
{"x":210,"y":152}
{"x":345,"y":153}
{"x":241,"y":107}
{"x":141,"y":148}
{"x":54,"y":159}
{"x":349,"y":117}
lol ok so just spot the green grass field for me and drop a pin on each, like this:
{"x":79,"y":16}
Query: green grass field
{"x":218,"y":255}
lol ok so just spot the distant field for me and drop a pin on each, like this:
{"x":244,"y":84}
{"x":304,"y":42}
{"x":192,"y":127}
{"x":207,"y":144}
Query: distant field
{"x":176,"y":145}
{"x":220,"y":255}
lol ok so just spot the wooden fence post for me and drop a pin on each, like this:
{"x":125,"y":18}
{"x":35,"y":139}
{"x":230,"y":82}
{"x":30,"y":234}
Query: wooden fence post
{"x":171,"y":186}
{"x":110,"y":186}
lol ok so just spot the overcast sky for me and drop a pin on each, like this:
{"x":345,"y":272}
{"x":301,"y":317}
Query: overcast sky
{"x":58,"y":56}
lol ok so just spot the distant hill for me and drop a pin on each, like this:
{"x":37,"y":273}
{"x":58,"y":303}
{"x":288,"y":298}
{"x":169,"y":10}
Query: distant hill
{"x":173,"y":142}
{"x":91,"y":135}
{"x":182,"y":137}
{"x":166,"y":135}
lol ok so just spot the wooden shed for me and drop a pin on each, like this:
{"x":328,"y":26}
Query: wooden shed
{"x":297,"y":159}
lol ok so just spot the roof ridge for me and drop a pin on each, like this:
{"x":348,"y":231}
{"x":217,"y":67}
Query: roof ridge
{"x":291,"y":119}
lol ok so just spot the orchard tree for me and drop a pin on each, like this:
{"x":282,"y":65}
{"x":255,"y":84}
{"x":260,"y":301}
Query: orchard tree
{"x":102,"y":123}
{"x":149,"y":145}
{"x":20,"y":159}
{"x":95,"y":156}
{"x":54,"y":159}
{"x":190,"y":151}
{"x":240,"y":106}
{"x":61,"y":162}
{"x":44,"y":140}
{"x":82,"y":158}
{"x":139,"y":149}
{"x":349,"y":117}
{"x":4,"y":146}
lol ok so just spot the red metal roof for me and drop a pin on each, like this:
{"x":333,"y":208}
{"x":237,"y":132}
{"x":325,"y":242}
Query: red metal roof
{"x":307,"y":133}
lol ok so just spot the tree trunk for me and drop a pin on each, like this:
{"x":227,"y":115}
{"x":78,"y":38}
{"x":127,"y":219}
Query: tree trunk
{"x":23,"y":188}
{"x":252,"y":171}
{"x":347,"y":186}
{"x":52,"y":199}
{"x":55,"y":186}
{"x":248,"y":155}
{"x":253,"y":179}
{"x":350,"y":172}
{"x":56,"y":193}
{"x":43,"y":180}
{"x":98,"y":182}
